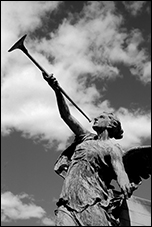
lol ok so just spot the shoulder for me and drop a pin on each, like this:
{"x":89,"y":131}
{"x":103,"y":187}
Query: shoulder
{"x":117,"y":151}
{"x":119,"y":147}
{"x":84,"y":136}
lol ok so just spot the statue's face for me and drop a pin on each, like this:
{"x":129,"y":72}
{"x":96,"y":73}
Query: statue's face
{"x":101,"y":122}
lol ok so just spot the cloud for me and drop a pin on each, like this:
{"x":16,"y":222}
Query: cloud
{"x":12,"y":208}
{"x":147,"y":72}
{"x":131,"y":55}
{"x":94,"y":43}
{"x":77,"y":47}
{"x":15,"y":21}
{"x":136,"y":126}
{"x":48,"y":221}
{"x":134,"y":7}
{"x":85,"y":48}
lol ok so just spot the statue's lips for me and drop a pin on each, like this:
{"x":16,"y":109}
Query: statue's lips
{"x":95,"y":123}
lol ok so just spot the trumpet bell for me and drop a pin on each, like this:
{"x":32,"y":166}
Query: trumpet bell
{"x":18,"y":44}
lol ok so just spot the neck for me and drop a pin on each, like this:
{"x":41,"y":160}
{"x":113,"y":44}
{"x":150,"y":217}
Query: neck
{"x":103,"y":135}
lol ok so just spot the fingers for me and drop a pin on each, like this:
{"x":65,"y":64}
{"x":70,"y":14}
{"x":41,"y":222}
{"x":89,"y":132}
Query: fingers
{"x":50,"y":78}
{"x":126,"y":193}
{"x":51,"y":81}
{"x":134,"y":186}
{"x":128,"y":189}
{"x":46,"y":76}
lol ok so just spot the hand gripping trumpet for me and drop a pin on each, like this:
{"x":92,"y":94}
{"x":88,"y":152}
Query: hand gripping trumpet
{"x":20,"y":45}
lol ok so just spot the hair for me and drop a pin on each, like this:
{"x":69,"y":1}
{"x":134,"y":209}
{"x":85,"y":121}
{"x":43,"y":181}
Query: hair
{"x":114,"y":128}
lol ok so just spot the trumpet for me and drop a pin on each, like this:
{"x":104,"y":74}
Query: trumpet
{"x":20,"y":45}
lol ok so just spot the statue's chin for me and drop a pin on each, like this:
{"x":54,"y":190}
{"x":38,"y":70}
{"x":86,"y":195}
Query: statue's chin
{"x":94,"y":128}
{"x":98,"y":129}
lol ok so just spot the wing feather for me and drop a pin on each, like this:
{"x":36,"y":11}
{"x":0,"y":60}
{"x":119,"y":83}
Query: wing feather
{"x":137,"y":163}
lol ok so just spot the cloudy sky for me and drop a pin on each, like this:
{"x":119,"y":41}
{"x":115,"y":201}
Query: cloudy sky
{"x":100,"y":53}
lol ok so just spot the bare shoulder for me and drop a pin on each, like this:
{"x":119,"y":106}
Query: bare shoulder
{"x":116,"y":150}
{"x":117,"y":153}
{"x":110,"y":148}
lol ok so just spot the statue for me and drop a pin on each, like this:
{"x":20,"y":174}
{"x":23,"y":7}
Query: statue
{"x":89,"y":165}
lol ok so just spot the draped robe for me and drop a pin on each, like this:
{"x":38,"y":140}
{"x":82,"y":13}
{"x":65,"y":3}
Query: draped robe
{"x":86,"y":192}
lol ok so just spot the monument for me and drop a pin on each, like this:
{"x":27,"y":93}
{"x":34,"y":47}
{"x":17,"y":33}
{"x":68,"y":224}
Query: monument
{"x":89,"y":165}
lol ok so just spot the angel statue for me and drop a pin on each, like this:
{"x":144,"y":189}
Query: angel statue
{"x":89,"y":165}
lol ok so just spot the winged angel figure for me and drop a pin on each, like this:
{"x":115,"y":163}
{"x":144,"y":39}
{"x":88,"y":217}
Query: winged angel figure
{"x":89,"y":165}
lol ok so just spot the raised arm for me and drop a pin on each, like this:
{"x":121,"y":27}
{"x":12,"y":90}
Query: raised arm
{"x":64,"y":111}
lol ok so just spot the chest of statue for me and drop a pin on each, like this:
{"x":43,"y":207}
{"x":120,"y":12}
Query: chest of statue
{"x":93,"y":148}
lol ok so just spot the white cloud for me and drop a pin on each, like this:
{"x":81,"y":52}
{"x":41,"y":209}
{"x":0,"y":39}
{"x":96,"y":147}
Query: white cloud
{"x":12,"y":208}
{"x":147,"y":72}
{"x":134,"y":7}
{"x":88,"y":47}
{"x":136,"y":126}
{"x":48,"y":221}
{"x":131,"y":55}
{"x":95,"y":43}
{"x":79,"y":47}
{"x":19,"y":17}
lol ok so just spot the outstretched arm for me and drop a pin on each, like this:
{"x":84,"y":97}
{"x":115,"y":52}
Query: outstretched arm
{"x":122,"y":177}
{"x":64,"y":111}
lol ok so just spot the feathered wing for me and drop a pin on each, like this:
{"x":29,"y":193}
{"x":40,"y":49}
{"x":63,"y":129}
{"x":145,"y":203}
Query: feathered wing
{"x":137,"y":163}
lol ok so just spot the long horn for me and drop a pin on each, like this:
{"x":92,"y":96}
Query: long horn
{"x":20,"y":45}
